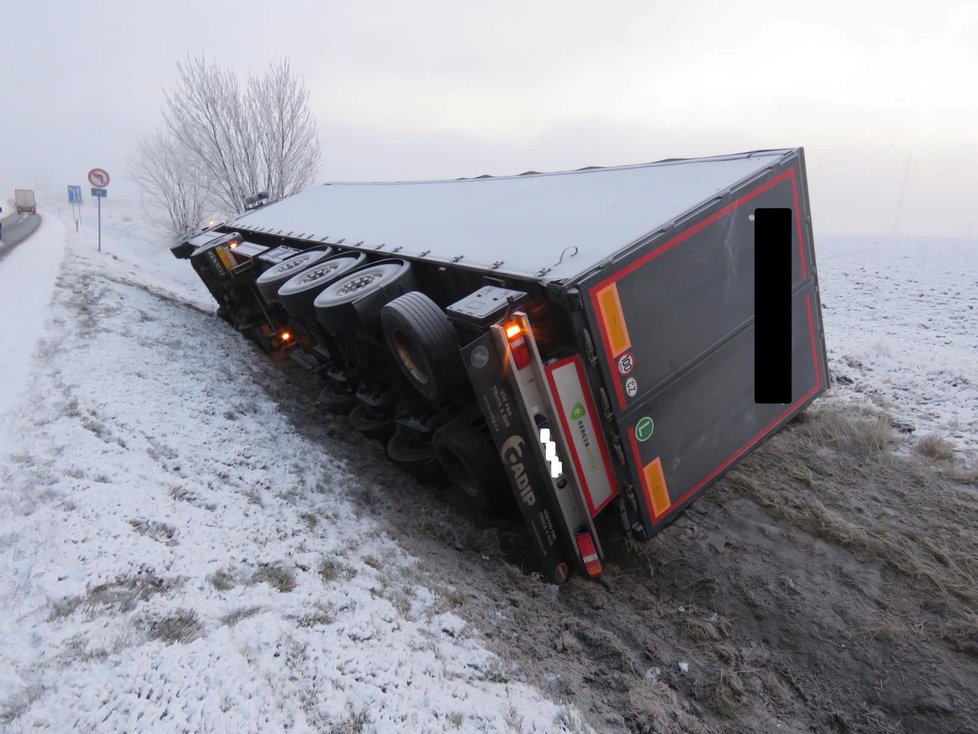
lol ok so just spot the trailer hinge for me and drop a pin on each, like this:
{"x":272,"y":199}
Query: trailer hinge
{"x":589,"y":352}
{"x":605,"y":403}
{"x":628,"y":491}
{"x":628,"y":509}
{"x":457,"y":258}
{"x":496,"y":265}
{"x":619,"y":451}
{"x":359,"y":243}
{"x":378,"y":247}
{"x":396,"y":249}
{"x":424,"y":253}
{"x":341,"y":240}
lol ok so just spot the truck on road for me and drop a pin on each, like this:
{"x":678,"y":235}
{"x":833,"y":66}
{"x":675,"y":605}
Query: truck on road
{"x":574,"y":344}
{"x":24,"y":201}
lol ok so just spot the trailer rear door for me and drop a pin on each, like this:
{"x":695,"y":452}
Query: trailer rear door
{"x":675,"y":323}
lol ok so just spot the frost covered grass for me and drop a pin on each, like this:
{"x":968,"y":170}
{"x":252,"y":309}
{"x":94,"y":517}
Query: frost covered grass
{"x":900,"y":326}
{"x":887,"y":504}
{"x":179,"y":549}
{"x":174,"y":555}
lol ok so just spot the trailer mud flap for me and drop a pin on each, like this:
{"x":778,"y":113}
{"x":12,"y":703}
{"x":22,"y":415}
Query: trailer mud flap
{"x":513,"y":440}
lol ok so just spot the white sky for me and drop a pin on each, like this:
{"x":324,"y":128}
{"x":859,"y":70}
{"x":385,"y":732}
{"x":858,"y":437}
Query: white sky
{"x":878,"y":93}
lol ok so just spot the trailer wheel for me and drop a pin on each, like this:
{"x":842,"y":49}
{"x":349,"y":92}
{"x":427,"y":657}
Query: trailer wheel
{"x":299,"y":292}
{"x":334,"y":306}
{"x":470,"y":462}
{"x":372,"y":423}
{"x":337,"y":401}
{"x":413,"y":456}
{"x":276,"y":276}
{"x":424,"y":345}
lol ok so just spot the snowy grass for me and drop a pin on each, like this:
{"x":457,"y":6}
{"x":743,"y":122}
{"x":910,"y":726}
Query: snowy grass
{"x":900,"y":326}
{"x":889,"y":505}
{"x":175,"y":556}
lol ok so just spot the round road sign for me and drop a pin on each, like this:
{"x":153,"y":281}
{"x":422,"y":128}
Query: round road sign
{"x":98,"y":177}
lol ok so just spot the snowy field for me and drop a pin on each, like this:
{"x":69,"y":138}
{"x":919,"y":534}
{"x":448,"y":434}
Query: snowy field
{"x":174,"y":556}
{"x":901,"y":324}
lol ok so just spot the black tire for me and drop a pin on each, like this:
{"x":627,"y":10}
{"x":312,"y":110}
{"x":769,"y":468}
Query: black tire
{"x":256,"y":335}
{"x":276,"y":276}
{"x":424,"y":345}
{"x":335,"y":304}
{"x":298,"y":293}
{"x":414,"y":457}
{"x":337,"y":401}
{"x":373,"y":424}
{"x":469,"y":460}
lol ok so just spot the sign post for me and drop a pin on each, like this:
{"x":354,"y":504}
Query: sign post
{"x":99,"y":179}
{"x":75,"y":199}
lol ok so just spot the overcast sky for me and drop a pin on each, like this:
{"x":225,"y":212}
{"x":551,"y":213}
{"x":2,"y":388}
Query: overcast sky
{"x":882,"y":95}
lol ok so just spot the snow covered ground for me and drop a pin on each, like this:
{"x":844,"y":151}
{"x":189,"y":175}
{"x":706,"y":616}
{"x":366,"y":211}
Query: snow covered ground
{"x":174,"y":556}
{"x":901,"y":324}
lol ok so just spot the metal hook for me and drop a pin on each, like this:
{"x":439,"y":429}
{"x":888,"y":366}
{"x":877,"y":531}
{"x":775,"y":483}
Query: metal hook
{"x":564,"y":252}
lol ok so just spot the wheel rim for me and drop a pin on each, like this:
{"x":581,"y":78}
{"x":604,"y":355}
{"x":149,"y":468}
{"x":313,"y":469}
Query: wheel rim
{"x":289,"y":265}
{"x":314,"y":274}
{"x":410,"y":356}
{"x":358,"y":282}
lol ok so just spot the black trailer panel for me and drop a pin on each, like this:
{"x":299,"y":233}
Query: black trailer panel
{"x":515,"y":443}
{"x":675,"y":339}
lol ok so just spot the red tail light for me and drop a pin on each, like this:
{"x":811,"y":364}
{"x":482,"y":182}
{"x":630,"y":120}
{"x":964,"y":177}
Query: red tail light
{"x":517,"y":344}
{"x":589,"y":554}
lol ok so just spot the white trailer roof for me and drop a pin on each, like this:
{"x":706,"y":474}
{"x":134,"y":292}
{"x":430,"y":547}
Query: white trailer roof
{"x":516,"y":225}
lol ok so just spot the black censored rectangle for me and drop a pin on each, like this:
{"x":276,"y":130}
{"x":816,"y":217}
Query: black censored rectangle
{"x":772,"y":305}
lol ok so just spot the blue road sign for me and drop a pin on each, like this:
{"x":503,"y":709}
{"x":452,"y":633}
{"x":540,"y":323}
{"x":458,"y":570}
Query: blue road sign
{"x":101,"y":193}
{"x":74,"y":195}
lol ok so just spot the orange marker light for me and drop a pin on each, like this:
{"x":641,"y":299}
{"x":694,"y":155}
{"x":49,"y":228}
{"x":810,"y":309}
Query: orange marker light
{"x":285,"y":336}
{"x":517,"y":344}
{"x":232,"y":244}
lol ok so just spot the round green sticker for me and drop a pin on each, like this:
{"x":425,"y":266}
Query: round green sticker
{"x":643,"y":429}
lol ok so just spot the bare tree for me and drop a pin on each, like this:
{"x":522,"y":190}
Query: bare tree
{"x":234,"y":142}
{"x":164,"y":171}
{"x":287,"y":141}
{"x":205,"y":112}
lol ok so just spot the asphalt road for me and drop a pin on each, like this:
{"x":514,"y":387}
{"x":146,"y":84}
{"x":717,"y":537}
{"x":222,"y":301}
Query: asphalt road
{"x":16,"y":229}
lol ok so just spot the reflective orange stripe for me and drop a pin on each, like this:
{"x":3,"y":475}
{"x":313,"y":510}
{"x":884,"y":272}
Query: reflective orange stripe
{"x":613,"y":318}
{"x":656,"y":491}
{"x":225,"y":258}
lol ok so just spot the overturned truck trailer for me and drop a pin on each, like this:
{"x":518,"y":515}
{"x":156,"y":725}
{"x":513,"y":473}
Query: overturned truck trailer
{"x":576,"y":343}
